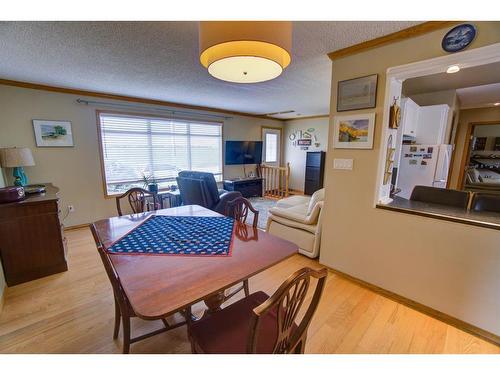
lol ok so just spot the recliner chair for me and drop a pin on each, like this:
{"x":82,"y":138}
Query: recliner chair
{"x":201,"y":188}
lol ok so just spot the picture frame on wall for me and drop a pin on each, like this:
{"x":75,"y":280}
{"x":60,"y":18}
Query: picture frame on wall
{"x":354,"y":131}
{"x":357,"y":93}
{"x":50,"y":133}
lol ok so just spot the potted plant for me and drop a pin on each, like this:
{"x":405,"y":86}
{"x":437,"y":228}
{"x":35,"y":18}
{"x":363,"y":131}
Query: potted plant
{"x":150,"y":183}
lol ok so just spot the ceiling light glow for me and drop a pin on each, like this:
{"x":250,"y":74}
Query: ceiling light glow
{"x":453,"y":69}
{"x":245,"y":52}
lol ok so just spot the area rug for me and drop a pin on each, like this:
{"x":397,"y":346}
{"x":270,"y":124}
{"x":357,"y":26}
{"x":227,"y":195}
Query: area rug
{"x":262,"y":205}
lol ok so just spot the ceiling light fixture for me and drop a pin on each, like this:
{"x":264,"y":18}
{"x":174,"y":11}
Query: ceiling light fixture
{"x":245,"y":52}
{"x":496,"y":104}
{"x":453,"y":69}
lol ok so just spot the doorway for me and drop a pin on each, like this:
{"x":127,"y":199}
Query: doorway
{"x":480,"y":166}
{"x":271,"y":150}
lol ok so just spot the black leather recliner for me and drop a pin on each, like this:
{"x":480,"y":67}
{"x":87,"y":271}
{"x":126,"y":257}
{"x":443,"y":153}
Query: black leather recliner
{"x":201,"y":188}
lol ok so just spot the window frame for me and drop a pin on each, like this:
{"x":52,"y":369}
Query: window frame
{"x":100,"y":112}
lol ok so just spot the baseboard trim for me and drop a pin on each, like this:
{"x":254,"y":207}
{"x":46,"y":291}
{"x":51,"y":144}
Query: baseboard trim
{"x":448,"y":319}
{"x":74,"y":227}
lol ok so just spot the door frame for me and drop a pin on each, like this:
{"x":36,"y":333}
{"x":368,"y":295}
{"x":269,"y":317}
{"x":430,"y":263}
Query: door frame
{"x":262,"y":128}
{"x":466,"y":150}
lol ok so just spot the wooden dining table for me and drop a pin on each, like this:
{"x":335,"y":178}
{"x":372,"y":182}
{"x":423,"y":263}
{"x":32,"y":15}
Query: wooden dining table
{"x":160,"y":285}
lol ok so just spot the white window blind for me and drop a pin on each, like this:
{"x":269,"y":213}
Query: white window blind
{"x":134,"y":146}
{"x":271,"y":147}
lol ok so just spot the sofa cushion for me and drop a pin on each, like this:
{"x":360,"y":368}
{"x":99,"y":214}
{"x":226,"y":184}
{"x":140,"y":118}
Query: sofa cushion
{"x":292,"y":201}
{"x":318,"y":196}
{"x":298,"y":213}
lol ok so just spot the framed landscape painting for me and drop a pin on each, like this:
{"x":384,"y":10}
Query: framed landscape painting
{"x":355,"y":131}
{"x":49,"y":133}
{"x":357,"y":93}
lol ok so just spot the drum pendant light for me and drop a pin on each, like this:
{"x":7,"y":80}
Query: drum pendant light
{"x":246,"y":51}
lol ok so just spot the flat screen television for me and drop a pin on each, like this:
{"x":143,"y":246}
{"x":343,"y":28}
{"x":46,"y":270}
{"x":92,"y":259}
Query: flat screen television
{"x":243,"y":152}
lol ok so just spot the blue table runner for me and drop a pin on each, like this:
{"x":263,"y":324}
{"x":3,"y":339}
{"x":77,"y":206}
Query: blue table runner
{"x":178,"y":235}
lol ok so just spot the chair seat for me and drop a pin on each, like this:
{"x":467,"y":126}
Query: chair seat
{"x":227,"y":331}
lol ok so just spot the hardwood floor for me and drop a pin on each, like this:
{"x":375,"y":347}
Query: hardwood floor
{"x":73,"y":312}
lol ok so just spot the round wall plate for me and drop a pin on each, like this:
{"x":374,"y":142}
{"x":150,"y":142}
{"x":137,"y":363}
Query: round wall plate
{"x":459,"y":38}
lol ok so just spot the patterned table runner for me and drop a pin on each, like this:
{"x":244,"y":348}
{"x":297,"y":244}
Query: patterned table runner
{"x":178,"y":235}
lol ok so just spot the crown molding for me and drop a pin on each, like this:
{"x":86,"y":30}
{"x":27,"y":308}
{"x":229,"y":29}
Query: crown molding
{"x":96,"y":94}
{"x":423,"y":28}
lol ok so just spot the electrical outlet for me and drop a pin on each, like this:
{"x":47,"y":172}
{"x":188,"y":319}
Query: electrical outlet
{"x":71,"y":208}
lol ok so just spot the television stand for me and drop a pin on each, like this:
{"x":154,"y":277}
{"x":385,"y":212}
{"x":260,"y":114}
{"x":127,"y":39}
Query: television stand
{"x":248,"y":187}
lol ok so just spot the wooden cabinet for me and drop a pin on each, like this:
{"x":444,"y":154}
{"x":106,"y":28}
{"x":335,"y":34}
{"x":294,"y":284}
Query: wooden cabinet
{"x":248,"y":187}
{"x":315,"y":169}
{"x":32,"y":243}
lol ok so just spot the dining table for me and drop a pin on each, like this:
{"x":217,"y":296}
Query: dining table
{"x":160,"y":285}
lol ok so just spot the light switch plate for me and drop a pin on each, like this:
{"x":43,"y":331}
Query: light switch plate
{"x":345,"y":164}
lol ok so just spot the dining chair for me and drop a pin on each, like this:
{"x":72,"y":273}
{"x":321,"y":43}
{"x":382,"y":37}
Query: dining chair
{"x":137,"y":199}
{"x":447,"y":197}
{"x":238,"y":209}
{"x":123,"y":309}
{"x":262,"y":324}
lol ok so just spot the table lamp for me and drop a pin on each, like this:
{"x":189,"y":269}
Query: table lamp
{"x":17,"y":158}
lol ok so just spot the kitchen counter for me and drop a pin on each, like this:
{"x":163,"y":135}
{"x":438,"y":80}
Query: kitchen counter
{"x":483,"y":219}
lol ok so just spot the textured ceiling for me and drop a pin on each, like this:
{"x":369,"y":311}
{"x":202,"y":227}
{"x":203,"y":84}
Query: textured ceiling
{"x":159,"y":60}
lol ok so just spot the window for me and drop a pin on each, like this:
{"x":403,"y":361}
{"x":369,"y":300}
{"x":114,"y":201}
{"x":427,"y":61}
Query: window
{"x":271,"y":147}
{"x":134,"y":146}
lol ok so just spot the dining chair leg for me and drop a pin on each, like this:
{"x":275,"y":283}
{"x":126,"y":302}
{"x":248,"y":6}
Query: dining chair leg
{"x":246,"y":288}
{"x":117,"y":320}
{"x":299,"y":349}
{"x":126,"y":334}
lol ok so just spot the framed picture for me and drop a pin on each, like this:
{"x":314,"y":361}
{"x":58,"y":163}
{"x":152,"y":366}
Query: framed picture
{"x":357,"y":93}
{"x":49,"y":133}
{"x":354,"y":131}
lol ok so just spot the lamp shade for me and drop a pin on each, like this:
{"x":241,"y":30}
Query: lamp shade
{"x":245,"y":52}
{"x":16,"y":157}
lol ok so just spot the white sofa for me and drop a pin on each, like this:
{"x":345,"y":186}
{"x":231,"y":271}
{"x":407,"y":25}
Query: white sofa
{"x":298,"y":219}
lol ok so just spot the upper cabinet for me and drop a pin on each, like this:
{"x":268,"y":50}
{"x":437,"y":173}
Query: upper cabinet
{"x":432,"y":123}
{"x":410,"y":117}
{"x":427,"y":124}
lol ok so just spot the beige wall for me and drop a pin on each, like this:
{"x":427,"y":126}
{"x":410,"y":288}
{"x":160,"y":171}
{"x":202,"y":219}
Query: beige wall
{"x":297,"y":157}
{"x":448,"y":266}
{"x":467,"y":116}
{"x":2,"y":278}
{"x":76,"y":170}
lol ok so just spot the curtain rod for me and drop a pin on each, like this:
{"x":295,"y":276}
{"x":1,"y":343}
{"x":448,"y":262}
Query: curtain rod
{"x":148,"y":108}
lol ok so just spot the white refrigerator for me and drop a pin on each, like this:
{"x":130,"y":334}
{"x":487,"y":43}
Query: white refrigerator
{"x":426,"y":165}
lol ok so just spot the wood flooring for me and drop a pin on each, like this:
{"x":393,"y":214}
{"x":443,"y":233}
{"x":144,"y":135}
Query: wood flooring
{"x":73,"y":312}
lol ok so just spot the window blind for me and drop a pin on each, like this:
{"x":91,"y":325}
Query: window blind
{"x":134,"y":146}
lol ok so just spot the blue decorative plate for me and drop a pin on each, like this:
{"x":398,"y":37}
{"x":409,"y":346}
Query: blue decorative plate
{"x":459,"y":38}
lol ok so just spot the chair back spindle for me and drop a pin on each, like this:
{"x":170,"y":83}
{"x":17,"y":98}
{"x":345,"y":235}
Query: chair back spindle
{"x":286,"y":303}
{"x":238,"y":209}
{"x":137,"y":199}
